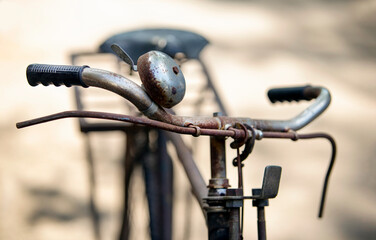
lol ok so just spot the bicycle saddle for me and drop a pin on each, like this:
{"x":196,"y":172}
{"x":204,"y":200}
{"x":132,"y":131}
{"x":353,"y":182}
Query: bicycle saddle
{"x":169,"y":41}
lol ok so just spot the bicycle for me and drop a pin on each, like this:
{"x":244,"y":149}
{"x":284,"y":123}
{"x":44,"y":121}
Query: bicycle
{"x":164,"y":86}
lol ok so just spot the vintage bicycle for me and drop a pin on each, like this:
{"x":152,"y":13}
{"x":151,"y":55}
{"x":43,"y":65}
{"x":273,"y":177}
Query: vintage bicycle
{"x":164,"y":87}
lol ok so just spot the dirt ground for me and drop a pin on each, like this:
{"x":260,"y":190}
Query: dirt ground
{"x":254,"y":45}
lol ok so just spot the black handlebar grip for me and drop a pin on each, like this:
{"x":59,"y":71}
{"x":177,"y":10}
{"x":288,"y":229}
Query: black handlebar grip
{"x":55,"y":74}
{"x":293,"y":93}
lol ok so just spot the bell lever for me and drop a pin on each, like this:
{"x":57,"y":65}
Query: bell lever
{"x":123,"y":56}
{"x":270,"y":183}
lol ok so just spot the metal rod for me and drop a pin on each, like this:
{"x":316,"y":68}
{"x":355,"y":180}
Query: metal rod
{"x":218,"y":157}
{"x":234,"y":133}
{"x":193,"y":173}
{"x":119,"y":85}
{"x":136,"y":95}
{"x":261,"y":224}
{"x":166,"y":188}
{"x":240,"y":172}
{"x":92,"y":188}
{"x":211,"y":86}
{"x":234,"y":224}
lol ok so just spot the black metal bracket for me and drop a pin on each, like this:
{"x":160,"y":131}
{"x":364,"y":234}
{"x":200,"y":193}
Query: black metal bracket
{"x":269,"y":189}
{"x":270,"y":184}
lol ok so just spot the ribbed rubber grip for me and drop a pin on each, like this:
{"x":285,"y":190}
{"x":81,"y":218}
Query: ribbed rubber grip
{"x":293,"y":94}
{"x":55,"y":74}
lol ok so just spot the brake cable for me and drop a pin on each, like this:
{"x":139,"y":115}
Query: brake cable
{"x":250,"y":142}
{"x":295,"y":136}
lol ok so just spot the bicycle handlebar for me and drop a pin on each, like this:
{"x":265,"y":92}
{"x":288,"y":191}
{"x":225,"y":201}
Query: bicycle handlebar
{"x":136,"y":95}
{"x":85,"y":76}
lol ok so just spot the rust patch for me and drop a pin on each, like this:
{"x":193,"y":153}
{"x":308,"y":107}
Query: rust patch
{"x":173,"y":90}
{"x":218,"y":157}
{"x":151,"y":84}
{"x":175,"y":69}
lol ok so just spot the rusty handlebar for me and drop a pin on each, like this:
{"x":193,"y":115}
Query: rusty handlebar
{"x":137,"y":95}
{"x":163,"y":84}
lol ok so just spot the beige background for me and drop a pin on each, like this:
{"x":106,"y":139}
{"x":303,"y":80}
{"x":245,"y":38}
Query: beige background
{"x":254,"y":45}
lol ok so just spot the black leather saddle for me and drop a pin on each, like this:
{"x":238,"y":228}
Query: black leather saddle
{"x":169,"y":41}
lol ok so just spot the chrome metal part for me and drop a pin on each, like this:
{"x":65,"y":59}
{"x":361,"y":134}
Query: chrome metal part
{"x":118,"y":84}
{"x":322,"y":101}
{"x":217,"y":185}
{"x":123,"y":56}
{"x":218,"y":157}
{"x":218,"y":164}
{"x":162,"y":78}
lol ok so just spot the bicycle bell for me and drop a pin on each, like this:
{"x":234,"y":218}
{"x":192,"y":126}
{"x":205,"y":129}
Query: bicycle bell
{"x":162,"y":78}
{"x":160,"y":75}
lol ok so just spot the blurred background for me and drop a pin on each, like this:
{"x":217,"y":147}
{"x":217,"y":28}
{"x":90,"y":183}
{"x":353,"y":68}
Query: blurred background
{"x":254,"y":45}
